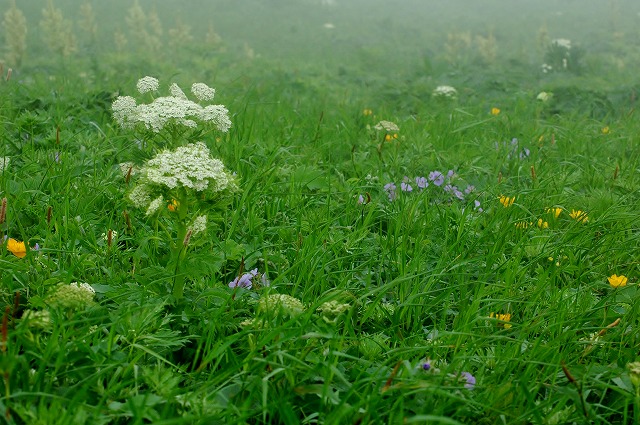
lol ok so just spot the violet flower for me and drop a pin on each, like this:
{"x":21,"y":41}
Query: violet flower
{"x":405,"y":186}
{"x":244,"y":281}
{"x":421,"y":182}
{"x":470,"y":380}
{"x":436,"y":177}
{"x":390,"y":188}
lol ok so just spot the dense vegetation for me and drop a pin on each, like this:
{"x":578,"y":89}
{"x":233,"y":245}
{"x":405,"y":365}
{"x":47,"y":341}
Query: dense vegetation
{"x":428,"y":212}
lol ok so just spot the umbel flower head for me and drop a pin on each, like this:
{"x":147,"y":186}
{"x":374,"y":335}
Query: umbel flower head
{"x":175,"y":110}
{"x":189,"y":167}
{"x":280,"y":305}
{"x":73,"y":296}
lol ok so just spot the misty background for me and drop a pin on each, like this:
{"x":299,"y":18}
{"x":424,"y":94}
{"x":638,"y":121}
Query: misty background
{"x":384,"y":51}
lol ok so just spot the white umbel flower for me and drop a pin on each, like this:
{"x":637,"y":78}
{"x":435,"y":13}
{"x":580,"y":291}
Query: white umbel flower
{"x":188,"y":166}
{"x":123,"y":108}
{"x":387,"y":126}
{"x":175,"y":109}
{"x":562,"y":42}
{"x":155,"y":205}
{"x":445,"y":92}
{"x":147,"y":84}
{"x":176,"y":91}
{"x":202,"y":91}
{"x":198,"y":225}
{"x":218,"y":115}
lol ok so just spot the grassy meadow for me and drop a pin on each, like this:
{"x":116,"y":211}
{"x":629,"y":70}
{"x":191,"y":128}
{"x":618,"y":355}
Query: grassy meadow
{"x":428,"y":212}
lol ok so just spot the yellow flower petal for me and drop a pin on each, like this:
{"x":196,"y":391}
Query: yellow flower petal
{"x":617,"y":281}
{"x":507,"y":201}
{"x":16,"y":248}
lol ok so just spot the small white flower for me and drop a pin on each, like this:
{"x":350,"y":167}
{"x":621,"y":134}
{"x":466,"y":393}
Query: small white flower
{"x":198,"y":225}
{"x":126,"y":168}
{"x":202,"y":91}
{"x":218,"y":115}
{"x":124,"y":108}
{"x":155,"y":205}
{"x":445,"y":92}
{"x":387,"y":126}
{"x":140,"y":195}
{"x":147,"y":84}
{"x":176,"y":91}
{"x":562,"y":42}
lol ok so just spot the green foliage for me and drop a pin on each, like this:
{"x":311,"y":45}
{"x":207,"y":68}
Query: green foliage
{"x":368,"y":303}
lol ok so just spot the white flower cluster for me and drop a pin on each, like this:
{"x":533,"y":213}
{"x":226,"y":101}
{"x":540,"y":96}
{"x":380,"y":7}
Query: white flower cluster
{"x":191,"y":167}
{"x":147,"y":84}
{"x":73,"y":296}
{"x":445,"y":92}
{"x":280,"y":304}
{"x":332,"y":309}
{"x":387,"y":126}
{"x":176,"y":109}
{"x":37,"y":319}
{"x":562,"y":42}
{"x":198,"y":225}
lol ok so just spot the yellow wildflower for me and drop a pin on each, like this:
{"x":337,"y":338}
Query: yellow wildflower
{"x":495,"y":111}
{"x":522,"y":225}
{"x":579,"y":215}
{"x":506,"y":201}
{"x":16,"y":248}
{"x":503,"y":318}
{"x":617,"y":281}
{"x":555,"y":211}
{"x":543,"y":224}
{"x":606,"y":130}
{"x":367,"y":112}
{"x":390,"y":137}
{"x":173,"y":205}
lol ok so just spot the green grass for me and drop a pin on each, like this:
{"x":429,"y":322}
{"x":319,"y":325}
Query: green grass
{"x":425,"y":277}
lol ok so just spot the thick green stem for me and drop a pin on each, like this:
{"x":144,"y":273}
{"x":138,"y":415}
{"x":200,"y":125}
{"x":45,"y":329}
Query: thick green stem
{"x":179,"y":250}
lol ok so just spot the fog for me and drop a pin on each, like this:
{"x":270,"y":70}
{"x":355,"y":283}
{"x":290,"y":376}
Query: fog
{"x":296,"y":30}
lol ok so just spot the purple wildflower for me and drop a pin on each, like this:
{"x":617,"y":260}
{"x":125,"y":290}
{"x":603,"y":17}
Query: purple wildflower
{"x":450,"y":174}
{"x":470,"y":380}
{"x":360,"y":200}
{"x":476,"y":205}
{"x":390,"y":188}
{"x":454,"y":191}
{"x":524,"y":154}
{"x":244,"y":281}
{"x":36,"y":247}
{"x":405,"y":186}
{"x":469,"y":189}
{"x":436,"y":177}
{"x":421,"y":182}
{"x":426,"y":365}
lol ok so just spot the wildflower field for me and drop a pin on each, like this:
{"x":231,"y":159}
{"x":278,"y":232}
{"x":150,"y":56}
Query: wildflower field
{"x":319,"y":212}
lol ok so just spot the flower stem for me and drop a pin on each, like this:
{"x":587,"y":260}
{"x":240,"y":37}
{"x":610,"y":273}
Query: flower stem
{"x":179,"y":250}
